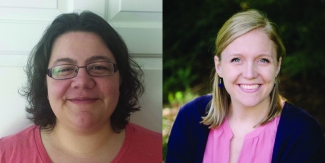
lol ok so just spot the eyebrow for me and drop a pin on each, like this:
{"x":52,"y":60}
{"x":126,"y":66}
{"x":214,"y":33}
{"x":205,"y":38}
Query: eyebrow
{"x":260,"y":55}
{"x":68,"y":60}
{"x":266,"y":55}
{"x":91,"y":59}
{"x":96,"y":58}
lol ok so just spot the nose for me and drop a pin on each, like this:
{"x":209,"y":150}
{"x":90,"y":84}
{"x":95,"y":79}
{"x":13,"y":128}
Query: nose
{"x":250,"y":72}
{"x":82,"y":80}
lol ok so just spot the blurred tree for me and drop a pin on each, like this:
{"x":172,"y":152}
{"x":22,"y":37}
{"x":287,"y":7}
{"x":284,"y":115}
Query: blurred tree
{"x":190,"y":28}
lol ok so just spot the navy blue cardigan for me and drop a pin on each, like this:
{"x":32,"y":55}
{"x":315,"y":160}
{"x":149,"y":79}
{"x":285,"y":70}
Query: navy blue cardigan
{"x":298,"y":139}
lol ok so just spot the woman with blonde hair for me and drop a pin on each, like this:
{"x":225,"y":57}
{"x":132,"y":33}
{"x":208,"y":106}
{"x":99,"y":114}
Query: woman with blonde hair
{"x":245,"y":119}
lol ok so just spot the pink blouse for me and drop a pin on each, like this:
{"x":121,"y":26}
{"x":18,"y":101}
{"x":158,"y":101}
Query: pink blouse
{"x":257,"y":147}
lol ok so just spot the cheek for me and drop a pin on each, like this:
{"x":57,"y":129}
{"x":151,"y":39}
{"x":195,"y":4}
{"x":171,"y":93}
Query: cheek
{"x":111,"y":88}
{"x":268,"y":75}
{"x":56,"y":90}
{"x":230,"y":73}
{"x":230,"y":77}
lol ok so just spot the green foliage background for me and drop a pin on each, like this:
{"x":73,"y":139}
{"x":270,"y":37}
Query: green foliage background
{"x":190,"y":28}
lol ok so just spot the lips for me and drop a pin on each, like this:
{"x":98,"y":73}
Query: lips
{"x":82,"y":100}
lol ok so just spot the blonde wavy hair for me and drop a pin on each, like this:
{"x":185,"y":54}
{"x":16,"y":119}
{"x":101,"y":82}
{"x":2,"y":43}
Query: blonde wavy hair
{"x":236,"y":26}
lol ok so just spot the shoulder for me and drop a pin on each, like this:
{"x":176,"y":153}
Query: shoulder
{"x":17,"y":139}
{"x":299,"y":137}
{"x":198,"y":106}
{"x":139,"y":132}
{"x":190,"y":115}
{"x":14,"y":146}
{"x":188,"y":136}
{"x":140,"y":145}
{"x":296,"y":118}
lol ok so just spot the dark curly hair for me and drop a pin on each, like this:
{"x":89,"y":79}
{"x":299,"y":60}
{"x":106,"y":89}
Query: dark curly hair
{"x":35,"y":91}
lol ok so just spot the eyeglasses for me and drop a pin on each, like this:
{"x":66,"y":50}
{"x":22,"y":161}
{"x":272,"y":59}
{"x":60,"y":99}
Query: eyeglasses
{"x":68,"y":71}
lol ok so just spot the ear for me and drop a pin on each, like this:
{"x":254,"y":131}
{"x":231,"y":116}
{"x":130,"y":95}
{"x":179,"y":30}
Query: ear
{"x":217,"y":66}
{"x":278,"y":66}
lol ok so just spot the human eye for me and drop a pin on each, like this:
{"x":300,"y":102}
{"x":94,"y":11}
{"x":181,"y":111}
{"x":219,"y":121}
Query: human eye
{"x":63,"y":70}
{"x":235,"y":60}
{"x":100,"y":68}
{"x":264,"y":60}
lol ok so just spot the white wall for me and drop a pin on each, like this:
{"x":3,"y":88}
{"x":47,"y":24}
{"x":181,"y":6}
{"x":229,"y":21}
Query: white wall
{"x":22,"y":23}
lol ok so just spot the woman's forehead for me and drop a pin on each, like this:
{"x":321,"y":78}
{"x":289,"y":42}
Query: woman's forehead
{"x":255,"y":42}
{"x":76,"y":47}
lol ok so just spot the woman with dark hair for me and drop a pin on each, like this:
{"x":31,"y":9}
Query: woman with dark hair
{"x":82,"y":88}
{"x":245,"y":119}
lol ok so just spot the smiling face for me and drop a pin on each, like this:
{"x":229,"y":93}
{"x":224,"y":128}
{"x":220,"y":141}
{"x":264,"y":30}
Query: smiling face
{"x":83,"y":103}
{"x":248,"y":67}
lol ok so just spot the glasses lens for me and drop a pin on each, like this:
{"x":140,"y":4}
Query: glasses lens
{"x":64,"y":71}
{"x":100,"y":69}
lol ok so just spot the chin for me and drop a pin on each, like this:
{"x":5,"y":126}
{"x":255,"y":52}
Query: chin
{"x":84,"y":125}
{"x":250,"y":103}
{"x":84,"y":122}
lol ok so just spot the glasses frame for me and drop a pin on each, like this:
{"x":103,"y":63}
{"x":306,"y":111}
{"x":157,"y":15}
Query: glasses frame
{"x":49,"y":71}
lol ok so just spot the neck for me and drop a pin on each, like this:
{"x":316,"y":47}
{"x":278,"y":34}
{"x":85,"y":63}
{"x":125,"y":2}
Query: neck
{"x":85,"y":145}
{"x":250,"y":116}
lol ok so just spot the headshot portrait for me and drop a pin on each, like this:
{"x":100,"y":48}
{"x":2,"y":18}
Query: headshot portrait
{"x":253,"y":92}
{"x":82,"y":82}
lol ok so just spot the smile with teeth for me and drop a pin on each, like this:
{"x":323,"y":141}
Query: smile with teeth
{"x":249,"y":87}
